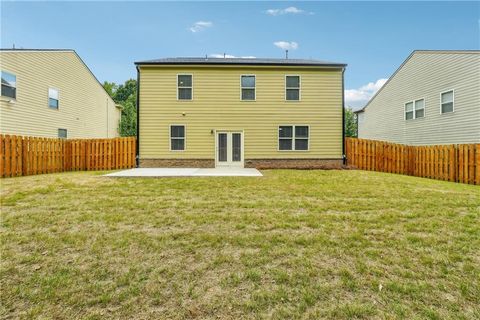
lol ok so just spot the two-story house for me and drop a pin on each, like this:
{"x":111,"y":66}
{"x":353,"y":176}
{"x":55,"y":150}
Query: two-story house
{"x":52,"y":93}
{"x":432,"y":98}
{"x":264,"y":113}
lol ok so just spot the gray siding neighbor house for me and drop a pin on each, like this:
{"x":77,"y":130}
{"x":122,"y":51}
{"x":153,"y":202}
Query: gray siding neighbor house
{"x":432,"y":98}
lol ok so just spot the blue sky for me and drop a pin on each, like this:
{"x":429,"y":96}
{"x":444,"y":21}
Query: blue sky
{"x":372,"y":37}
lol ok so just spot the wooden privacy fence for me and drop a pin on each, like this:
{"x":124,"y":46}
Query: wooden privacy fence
{"x":21,"y":156}
{"x":457,"y":163}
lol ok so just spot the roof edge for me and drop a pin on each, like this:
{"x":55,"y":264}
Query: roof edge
{"x":246,"y":62}
{"x":46,"y":50}
{"x":62,"y":50}
{"x":418,"y":51}
{"x":337,"y":65}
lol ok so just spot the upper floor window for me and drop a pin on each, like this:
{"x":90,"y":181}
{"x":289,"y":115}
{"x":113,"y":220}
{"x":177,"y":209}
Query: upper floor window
{"x":177,"y":138}
{"x":415,"y":109}
{"x":293,"y":138}
{"x":9,"y":85}
{"x":292,"y":88}
{"x":62,"y":133}
{"x":185,"y":87}
{"x":248,"y":87}
{"x":53,"y":98}
{"x":447,"y":101}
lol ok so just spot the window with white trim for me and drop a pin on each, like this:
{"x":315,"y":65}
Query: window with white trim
{"x":53,"y":98}
{"x":248,"y":87}
{"x":293,"y":138}
{"x":292,"y":88}
{"x":185,"y":86}
{"x":447,"y":101}
{"x":415,"y":109}
{"x":177,"y":138}
{"x":9,"y":85}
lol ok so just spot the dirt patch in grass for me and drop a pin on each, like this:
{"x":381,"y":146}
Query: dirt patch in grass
{"x":292,"y":244}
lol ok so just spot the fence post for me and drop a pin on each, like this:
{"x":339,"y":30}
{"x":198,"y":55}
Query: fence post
{"x":25,"y":156}
{"x":2,"y":155}
{"x":477,"y":164}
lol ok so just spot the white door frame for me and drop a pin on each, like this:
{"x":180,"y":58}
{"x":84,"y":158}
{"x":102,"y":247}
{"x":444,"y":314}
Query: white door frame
{"x":230,"y":163}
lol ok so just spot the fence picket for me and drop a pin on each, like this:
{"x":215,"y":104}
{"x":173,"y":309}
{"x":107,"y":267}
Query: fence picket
{"x":456,"y":163}
{"x":21,"y":156}
{"x":477,"y":164}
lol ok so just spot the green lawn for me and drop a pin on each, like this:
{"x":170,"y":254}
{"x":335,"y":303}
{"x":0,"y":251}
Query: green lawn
{"x":289,"y":245}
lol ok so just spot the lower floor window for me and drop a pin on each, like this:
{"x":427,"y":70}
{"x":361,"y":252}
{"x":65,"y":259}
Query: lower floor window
{"x":293,"y":138}
{"x":177,"y":138}
{"x":62,"y":133}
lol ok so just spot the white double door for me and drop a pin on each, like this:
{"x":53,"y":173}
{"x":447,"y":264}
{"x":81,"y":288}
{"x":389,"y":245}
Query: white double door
{"x":229,"y":149}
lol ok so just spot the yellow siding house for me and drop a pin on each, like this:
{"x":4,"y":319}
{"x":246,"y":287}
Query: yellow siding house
{"x":52,"y":93}
{"x":264,"y":113}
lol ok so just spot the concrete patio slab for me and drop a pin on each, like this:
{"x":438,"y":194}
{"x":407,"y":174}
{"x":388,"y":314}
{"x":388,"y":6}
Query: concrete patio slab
{"x":187,"y":172}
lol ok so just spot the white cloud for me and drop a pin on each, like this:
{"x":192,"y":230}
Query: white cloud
{"x":200,"y":25}
{"x":285,"y":45}
{"x":289,"y":10}
{"x":357,"y":98}
{"x":220,"y":55}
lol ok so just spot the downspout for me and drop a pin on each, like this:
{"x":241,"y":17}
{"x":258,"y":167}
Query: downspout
{"x":108,"y":122}
{"x":343,"y":117}
{"x":356,"y":124}
{"x":138,"y":118}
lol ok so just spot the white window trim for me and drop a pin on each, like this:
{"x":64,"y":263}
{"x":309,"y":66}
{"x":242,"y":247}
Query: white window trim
{"x":170,"y":137}
{"x":414,"y":115}
{"x":16,"y":86}
{"x":299,"y":87}
{"x":293,"y":137}
{"x":453,"y":101}
{"x":48,"y":98}
{"x":184,"y":74}
{"x":254,"y":88}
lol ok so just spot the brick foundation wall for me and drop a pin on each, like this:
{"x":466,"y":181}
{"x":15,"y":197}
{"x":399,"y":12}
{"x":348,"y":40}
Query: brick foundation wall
{"x":249,"y":163}
{"x":177,"y":163}
{"x":294,"y":163}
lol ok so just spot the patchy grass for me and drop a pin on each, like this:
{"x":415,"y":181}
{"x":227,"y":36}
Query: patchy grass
{"x":293,"y":244}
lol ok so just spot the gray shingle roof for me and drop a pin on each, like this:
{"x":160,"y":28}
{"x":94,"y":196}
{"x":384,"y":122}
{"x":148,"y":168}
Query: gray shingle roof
{"x":241,"y":61}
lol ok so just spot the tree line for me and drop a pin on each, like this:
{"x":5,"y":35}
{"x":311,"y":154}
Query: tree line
{"x":125,"y":95}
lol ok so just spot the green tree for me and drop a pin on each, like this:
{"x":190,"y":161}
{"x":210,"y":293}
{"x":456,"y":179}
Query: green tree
{"x":124,"y":91}
{"x":110,"y":87}
{"x":350,"y":123}
{"x":125,"y":95}
{"x":128,"y":122}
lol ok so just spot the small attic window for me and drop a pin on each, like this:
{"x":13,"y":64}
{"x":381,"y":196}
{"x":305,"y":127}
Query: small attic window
{"x":53,"y":98}
{"x":9,"y":85}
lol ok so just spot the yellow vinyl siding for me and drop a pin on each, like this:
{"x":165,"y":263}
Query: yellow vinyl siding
{"x":85,"y":109}
{"x":217,"y":105}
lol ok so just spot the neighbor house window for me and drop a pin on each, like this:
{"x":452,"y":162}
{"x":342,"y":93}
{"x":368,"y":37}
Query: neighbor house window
{"x":185,"y":86}
{"x":62,"y":133}
{"x":248,"y":87}
{"x":292,"y":88}
{"x":447,"y":101}
{"x":53,"y":98}
{"x":177,"y":138}
{"x":415,"y":109}
{"x":293,"y":138}
{"x":9,"y":85}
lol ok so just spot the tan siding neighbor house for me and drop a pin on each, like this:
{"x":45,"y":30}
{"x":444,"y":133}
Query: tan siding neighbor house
{"x":52,"y":93}
{"x":433,"y":98}
{"x":197,"y":112}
